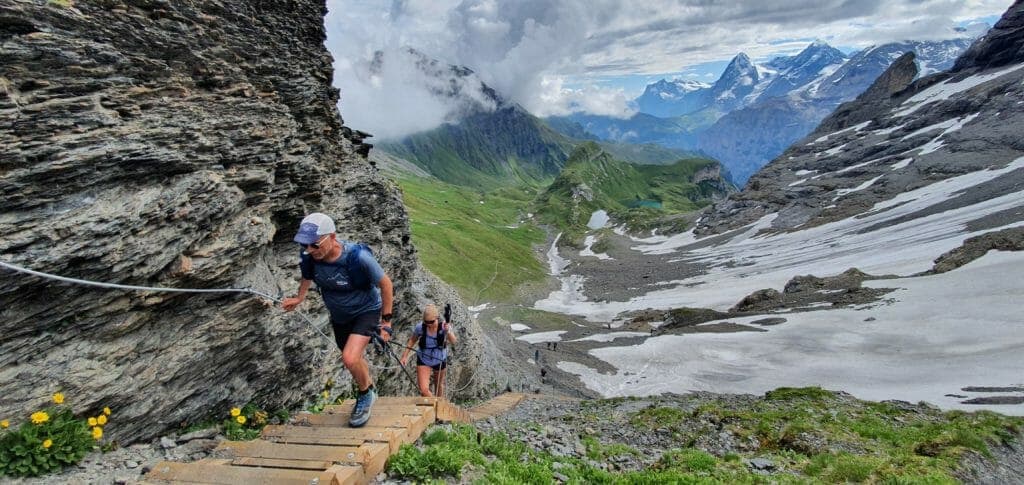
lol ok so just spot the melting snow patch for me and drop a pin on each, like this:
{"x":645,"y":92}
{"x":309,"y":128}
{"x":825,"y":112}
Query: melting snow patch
{"x":518,"y":327}
{"x":859,"y":165}
{"x":608,"y":337}
{"x":479,"y":308}
{"x":664,"y":245}
{"x":801,"y":173}
{"x":880,"y":241}
{"x":798,"y":182}
{"x":946,"y":89}
{"x":541,"y":337}
{"x":586,"y":251}
{"x":556,"y":263}
{"x":902,"y":163}
{"x":916,"y":349}
{"x":887,"y":131}
{"x":843,"y":192}
{"x":835,"y":151}
{"x":844,"y":130}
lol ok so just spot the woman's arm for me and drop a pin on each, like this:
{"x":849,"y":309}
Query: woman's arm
{"x":405,"y":352}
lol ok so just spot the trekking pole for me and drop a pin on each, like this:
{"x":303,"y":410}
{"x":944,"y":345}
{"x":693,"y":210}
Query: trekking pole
{"x":448,"y":323}
{"x":382,"y":348}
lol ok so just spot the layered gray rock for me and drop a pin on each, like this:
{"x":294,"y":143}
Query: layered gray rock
{"x":900,"y":135}
{"x":178,"y":144}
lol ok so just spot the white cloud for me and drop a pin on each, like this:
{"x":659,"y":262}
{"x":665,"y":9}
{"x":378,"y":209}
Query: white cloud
{"x":517,"y":46}
{"x":553,"y":99}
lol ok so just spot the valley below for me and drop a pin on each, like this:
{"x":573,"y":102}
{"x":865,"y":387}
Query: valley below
{"x":951,"y":339}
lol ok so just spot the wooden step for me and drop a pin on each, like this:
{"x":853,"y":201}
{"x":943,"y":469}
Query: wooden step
{"x":335,"y":436}
{"x":220,"y":473}
{"x":371,"y":456}
{"x":414,"y":425}
{"x":414,"y":400}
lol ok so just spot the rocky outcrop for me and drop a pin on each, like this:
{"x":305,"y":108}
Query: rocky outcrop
{"x":178,"y":144}
{"x":897,"y":137}
{"x":1011,"y":239}
{"x":1002,"y":45}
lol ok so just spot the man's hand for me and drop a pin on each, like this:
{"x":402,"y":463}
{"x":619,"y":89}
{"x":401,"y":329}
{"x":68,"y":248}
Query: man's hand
{"x":289,"y":304}
{"x":385,"y":333}
{"x":403,"y":360}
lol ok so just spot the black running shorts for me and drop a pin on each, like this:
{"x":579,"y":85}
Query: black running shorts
{"x":362,"y":324}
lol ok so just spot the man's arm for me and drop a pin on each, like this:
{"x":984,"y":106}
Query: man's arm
{"x":387,"y":298}
{"x":289,"y":304}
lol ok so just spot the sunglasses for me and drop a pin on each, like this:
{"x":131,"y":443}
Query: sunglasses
{"x":315,"y":245}
{"x":430,"y":321}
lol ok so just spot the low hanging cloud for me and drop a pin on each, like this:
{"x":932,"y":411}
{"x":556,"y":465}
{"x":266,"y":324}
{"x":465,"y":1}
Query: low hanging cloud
{"x":541,"y":54}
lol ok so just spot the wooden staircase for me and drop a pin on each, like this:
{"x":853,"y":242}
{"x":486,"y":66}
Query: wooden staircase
{"x":321,"y":449}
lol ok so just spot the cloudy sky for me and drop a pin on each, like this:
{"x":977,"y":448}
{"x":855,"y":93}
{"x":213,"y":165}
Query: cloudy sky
{"x":553,"y":57}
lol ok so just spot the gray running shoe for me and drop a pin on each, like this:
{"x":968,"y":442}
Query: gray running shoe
{"x":361,"y":413}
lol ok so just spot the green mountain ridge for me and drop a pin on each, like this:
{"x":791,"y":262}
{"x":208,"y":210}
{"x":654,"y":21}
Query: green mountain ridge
{"x":639,"y":195}
{"x":488,"y":149}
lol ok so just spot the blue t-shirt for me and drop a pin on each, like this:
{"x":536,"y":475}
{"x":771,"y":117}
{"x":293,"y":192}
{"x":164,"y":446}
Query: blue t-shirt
{"x":332,"y":279}
{"x":433,"y":354}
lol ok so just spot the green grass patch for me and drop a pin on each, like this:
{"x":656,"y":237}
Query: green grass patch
{"x":481,"y":243}
{"x":791,"y":393}
{"x":658,"y":417}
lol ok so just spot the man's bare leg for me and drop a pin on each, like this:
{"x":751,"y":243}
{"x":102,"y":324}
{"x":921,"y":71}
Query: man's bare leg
{"x":354,"y":358}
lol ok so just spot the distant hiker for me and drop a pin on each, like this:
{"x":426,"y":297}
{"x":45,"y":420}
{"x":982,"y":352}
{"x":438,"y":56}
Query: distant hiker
{"x":536,"y":355}
{"x":433,"y":334}
{"x":543,"y":374}
{"x":548,"y":345}
{"x":554,"y":345}
{"x":355,"y":291}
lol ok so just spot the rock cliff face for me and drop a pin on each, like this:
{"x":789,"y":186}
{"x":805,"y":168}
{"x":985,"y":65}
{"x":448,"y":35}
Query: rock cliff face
{"x":178,"y":144}
{"x":901,"y":135}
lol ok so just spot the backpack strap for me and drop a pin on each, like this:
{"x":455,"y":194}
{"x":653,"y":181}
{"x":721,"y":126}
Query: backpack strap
{"x":357,"y":275}
{"x":440,"y":339}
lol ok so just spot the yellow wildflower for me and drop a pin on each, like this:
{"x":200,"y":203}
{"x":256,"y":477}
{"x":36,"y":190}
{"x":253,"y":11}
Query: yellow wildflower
{"x":47,"y":443}
{"x":327,"y":394}
{"x":97,"y":433}
{"x":93,"y":422}
{"x":101,"y":419}
{"x":58,"y":398}
{"x":106,"y":411}
{"x":5,"y":424}
{"x":40,"y":417}
{"x":235,"y":411}
{"x":240,"y":419}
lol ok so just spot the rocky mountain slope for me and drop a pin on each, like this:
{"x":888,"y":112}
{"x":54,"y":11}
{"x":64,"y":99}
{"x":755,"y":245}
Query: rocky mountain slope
{"x":178,"y":144}
{"x":901,"y":135}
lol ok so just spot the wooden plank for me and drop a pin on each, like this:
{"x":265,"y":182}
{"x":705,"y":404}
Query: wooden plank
{"x":348,"y":475}
{"x":335,"y":436}
{"x":200,"y":472}
{"x":415,"y":400}
{"x":266,"y":449}
{"x":376,"y":457}
{"x":341,"y":420}
{"x":278,"y":463}
{"x":418,"y":419}
{"x":410,"y":409}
